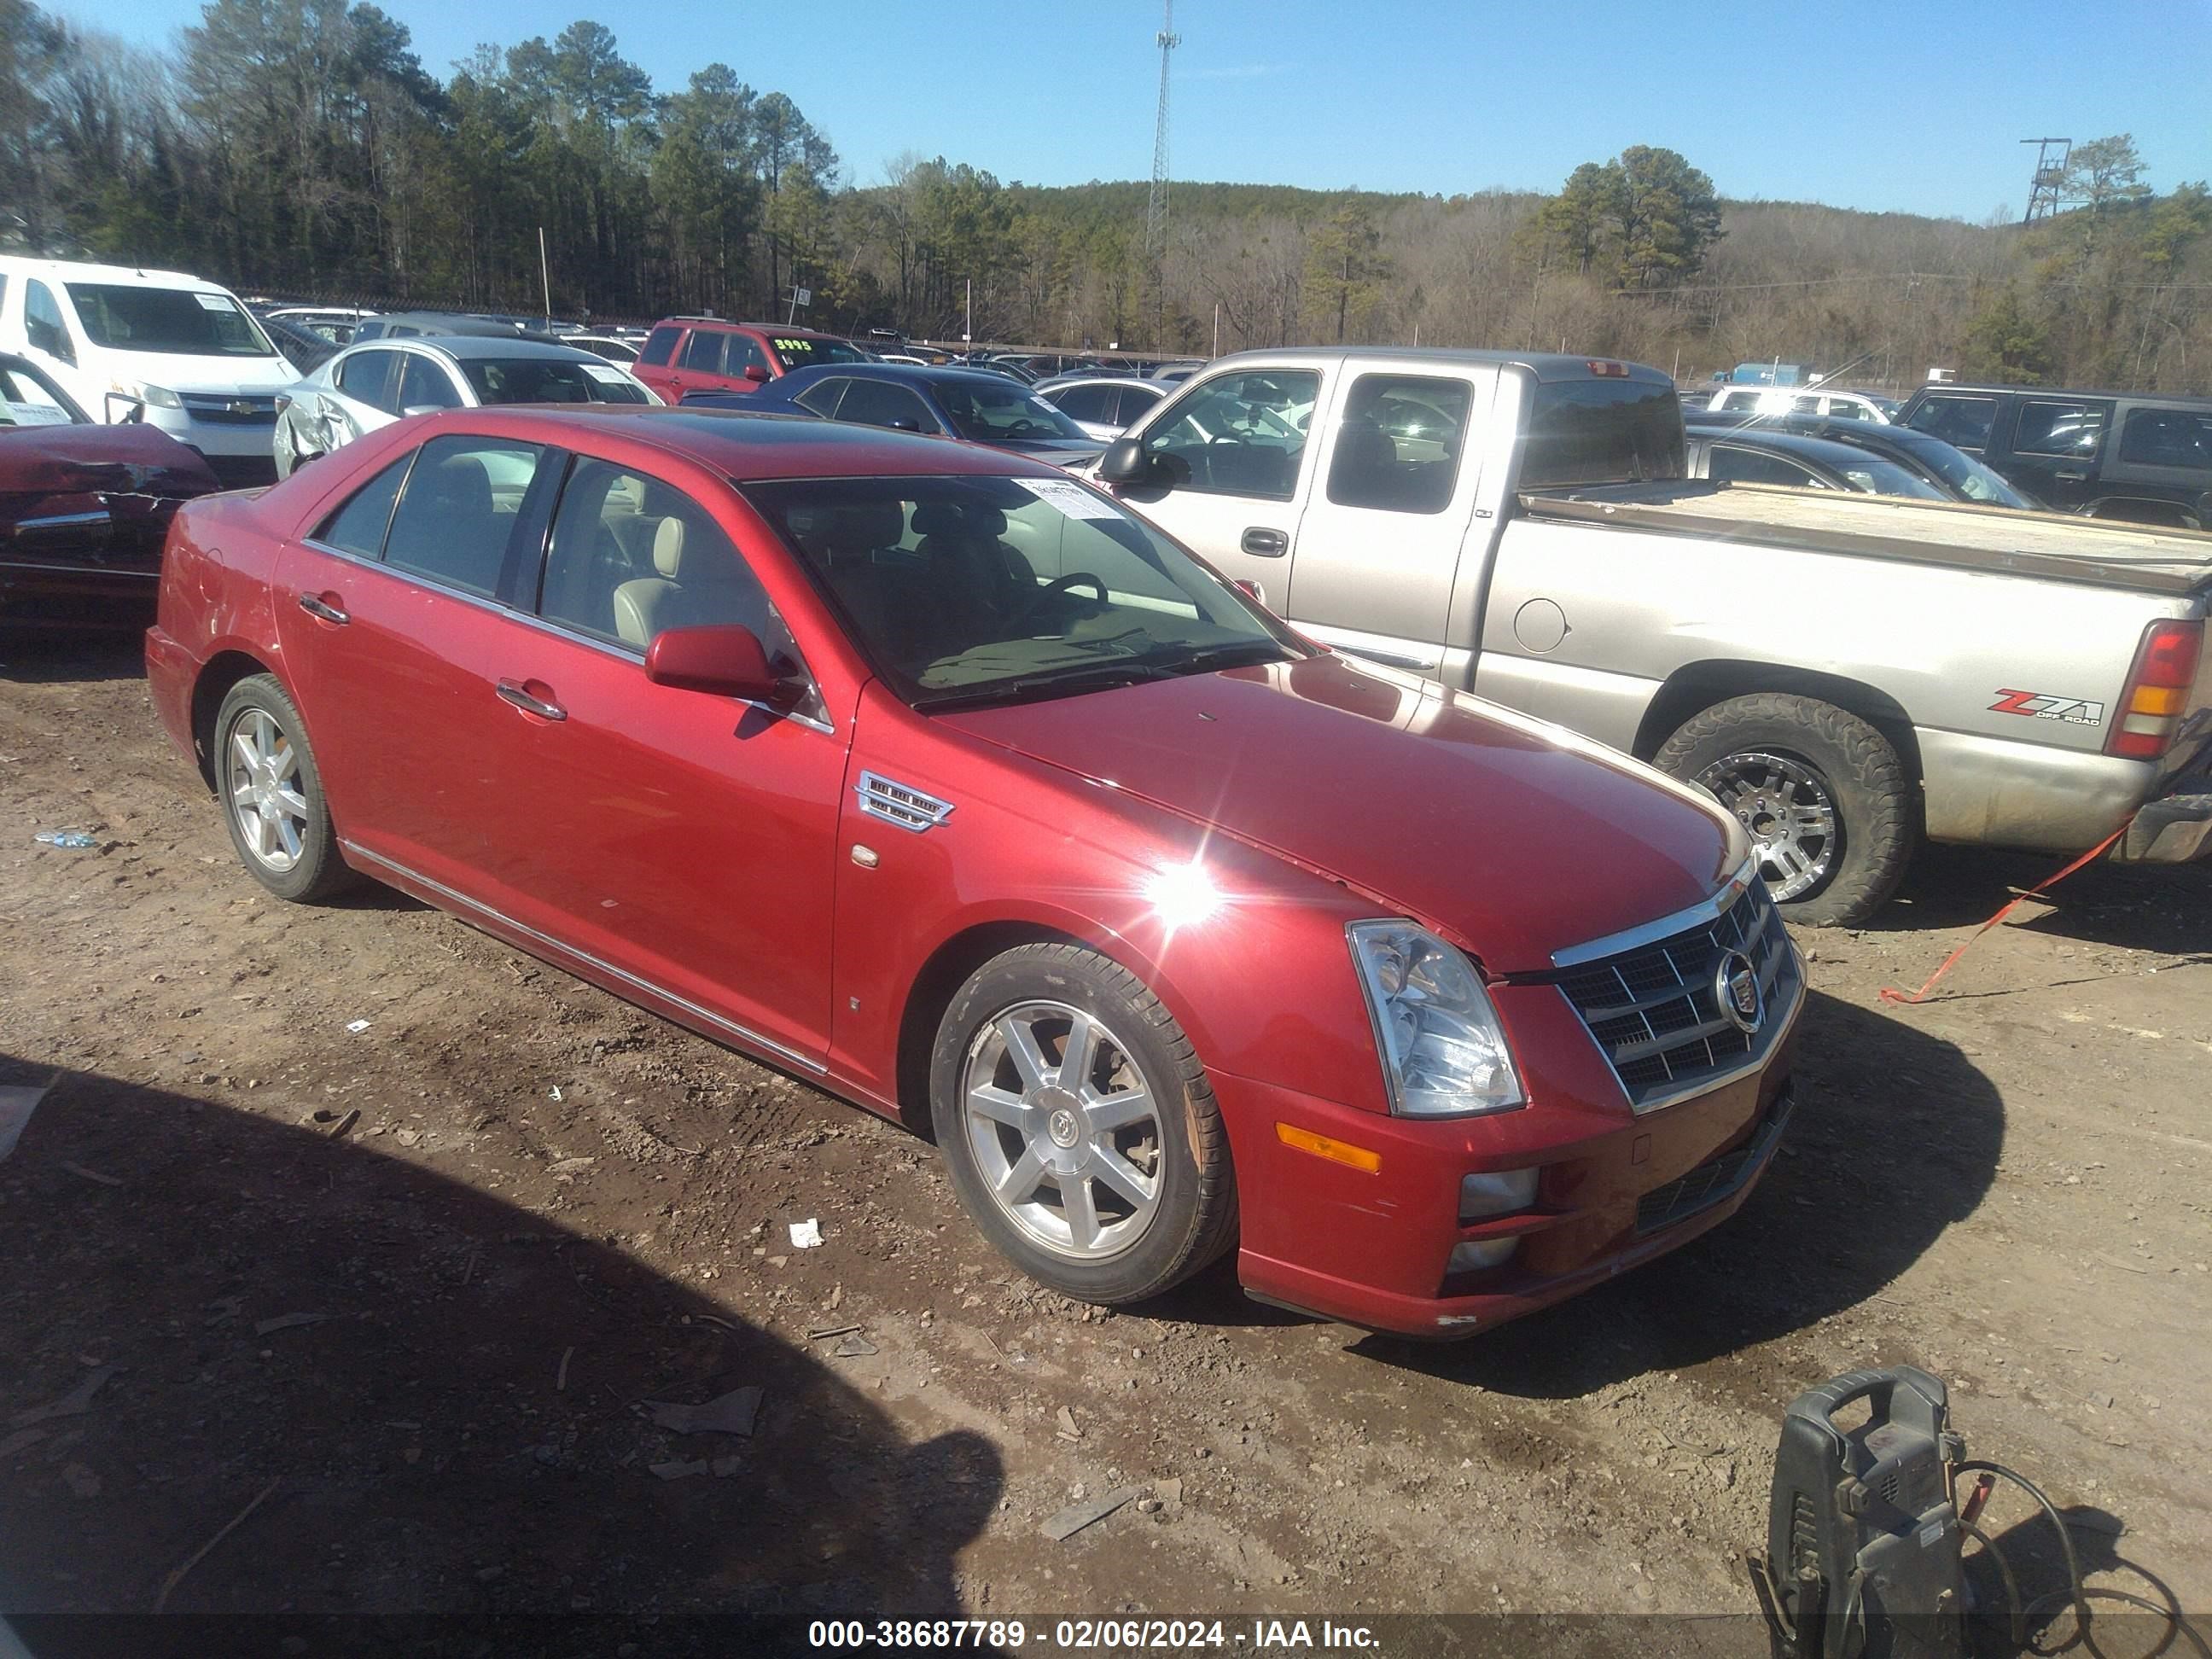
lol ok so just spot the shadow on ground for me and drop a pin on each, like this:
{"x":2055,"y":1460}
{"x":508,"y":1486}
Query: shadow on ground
{"x":2166,"y":907}
{"x":1896,"y":1137}
{"x":39,"y":658}
{"x":455,"y":1431}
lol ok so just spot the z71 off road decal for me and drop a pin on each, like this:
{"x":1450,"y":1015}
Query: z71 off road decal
{"x":2038,"y":705}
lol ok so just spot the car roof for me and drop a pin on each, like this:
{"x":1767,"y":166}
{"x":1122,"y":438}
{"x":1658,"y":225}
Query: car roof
{"x":1060,"y":380}
{"x":746,"y":445}
{"x":732,"y":323}
{"x":1992,"y":388}
{"x":901,"y":373}
{"x":72,"y":270}
{"x":1544,"y":365}
{"x":472,"y":347}
{"x":1826,"y":452}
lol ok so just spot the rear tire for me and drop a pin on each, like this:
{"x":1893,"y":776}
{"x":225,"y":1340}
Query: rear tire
{"x":1823,"y":795}
{"x":1110,"y":1185}
{"x":271,"y":793}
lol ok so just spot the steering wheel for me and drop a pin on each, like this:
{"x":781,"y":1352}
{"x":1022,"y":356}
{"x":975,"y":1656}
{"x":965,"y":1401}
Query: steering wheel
{"x":1063,"y":585}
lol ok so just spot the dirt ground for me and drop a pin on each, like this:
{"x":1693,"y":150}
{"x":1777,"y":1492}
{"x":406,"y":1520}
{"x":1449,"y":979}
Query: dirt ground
{"x":423,"y":1344}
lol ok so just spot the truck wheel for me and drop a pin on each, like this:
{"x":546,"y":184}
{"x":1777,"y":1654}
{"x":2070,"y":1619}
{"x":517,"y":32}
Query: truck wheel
{"x":1079,"y":1127}
{"x":1823,"y":794}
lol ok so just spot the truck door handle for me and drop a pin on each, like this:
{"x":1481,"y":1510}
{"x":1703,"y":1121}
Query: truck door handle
{"x":315,"y":606}
{"x":1268,"y":543}
{"x":518,"y":694}
{"x":2076,"y":474}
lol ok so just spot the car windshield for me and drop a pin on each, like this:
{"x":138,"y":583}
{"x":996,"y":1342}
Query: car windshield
{"x":969,"y":590}
{"x":803,"y":351}
{"x":991,"y":413}
{"x":1888,"y":478}
{"x":29,"y":398}
{"x":549,"y":381}
{"x":183,"y":321}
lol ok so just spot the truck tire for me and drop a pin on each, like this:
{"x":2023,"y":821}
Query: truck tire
{"x":1110,"y":1186}
{"x":1823,"y":795}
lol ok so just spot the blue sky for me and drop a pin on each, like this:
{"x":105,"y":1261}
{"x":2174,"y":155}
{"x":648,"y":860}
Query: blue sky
{"x":1877,"y":106}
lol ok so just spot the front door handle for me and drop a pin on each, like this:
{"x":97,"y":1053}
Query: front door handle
{"x":2072,"y":476}
{"x":520,"y":696}
{"x":317,"y":606}
{"x":1268,"y":543}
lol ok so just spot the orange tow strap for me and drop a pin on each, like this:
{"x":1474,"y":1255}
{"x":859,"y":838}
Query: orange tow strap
{"x":1891,"y":994}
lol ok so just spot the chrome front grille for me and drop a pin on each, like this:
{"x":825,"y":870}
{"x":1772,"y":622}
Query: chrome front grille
{"x":1655,"y":1009}
{"x":246,"y":409}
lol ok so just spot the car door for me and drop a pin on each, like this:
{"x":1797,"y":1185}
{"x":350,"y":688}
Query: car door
{"x":1228,"y":471}
{"x":698,"y":365}
{"x":2056,"y":444}
{"x":1378,"y":545}
{"x":656,"y":359}
{"x":387,"y":612}
{"x":685,"y":839}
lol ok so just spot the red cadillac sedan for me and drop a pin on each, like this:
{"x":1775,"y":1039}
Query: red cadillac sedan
{"x":930,"y":774}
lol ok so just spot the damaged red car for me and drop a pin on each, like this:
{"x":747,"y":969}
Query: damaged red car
{"x":84,"y":508}
{"x":930,"y":774}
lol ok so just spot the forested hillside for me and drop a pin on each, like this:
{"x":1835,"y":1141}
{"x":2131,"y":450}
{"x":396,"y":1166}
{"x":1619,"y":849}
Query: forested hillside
{"x":301,"y":148}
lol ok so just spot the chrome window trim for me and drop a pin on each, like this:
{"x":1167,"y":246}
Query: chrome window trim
{"x":743,"y":1033}
{"x":1697,"y":916}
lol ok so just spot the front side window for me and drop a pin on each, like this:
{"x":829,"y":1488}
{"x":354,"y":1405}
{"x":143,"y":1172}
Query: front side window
{"x":660,"y":345}
{"x":457,"y":512}
{"x":29,"y":398}
{"x":424,"y":384}
{"x":744,"y":353}
{"x":1732,"y":465}
{"x":42,"y":322}
{"x":2168,"y":437}
{"x":2048,"y":427}
{"x":1239,"y":434}
{"x":1398,"y":447}
{"x":188,"y":322}
{"x":879,"y":402}
{"x":1962,"y":421}
{"x":703,"y":351}
{"x":549,"y":381}
{"x":1879,"y":477}
{"x":964,"y":591}
{"x":358,"y":526}
{"x":366,"y":377}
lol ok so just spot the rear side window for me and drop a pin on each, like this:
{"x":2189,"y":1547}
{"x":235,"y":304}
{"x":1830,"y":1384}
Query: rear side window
{"x":2168,"y":437}
{"x":358,"y":527}
{"x":660,"y":345}
{"x":1086,"y":402}
{"x":1593,"y":432}
{"x":42,"y":322}
{"x":459,"y":511}
{"x":703,"y":352}
{"x":2052,"y":427}
{"x":822,"y":397}
{"x":1398,"y":447}
{"x":1963,"y":423}
{"x":367,"y":378}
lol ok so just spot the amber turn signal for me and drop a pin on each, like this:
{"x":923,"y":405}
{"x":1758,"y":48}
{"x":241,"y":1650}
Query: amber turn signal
{"x":1337,"y":1151}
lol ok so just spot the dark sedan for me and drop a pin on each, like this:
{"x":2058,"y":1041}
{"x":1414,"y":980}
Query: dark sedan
{"x":1951,"y":470}
{"x":983,"y":407}
{"x":83,"y":507}
{"x":1759,"y":455}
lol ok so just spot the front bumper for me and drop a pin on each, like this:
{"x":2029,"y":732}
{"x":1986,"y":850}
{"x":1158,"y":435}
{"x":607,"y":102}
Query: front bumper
{"x":1613,"y":1191}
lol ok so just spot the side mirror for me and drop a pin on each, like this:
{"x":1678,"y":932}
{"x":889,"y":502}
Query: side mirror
{"x":1125,"y":462}
{"x":755,"y":373}
{"x":724,"y":662}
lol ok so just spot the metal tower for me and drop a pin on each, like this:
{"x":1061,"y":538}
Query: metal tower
{"x":2046,"y":193}
{"x":1155,"y":210}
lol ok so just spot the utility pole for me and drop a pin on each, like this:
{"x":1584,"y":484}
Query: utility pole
{"x":544,"y":273}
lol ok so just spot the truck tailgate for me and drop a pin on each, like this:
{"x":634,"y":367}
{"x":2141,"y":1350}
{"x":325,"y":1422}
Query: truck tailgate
{"x":2052,"y":545}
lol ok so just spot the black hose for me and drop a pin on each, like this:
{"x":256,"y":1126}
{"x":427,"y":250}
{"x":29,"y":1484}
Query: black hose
{"x":2079,"y":1594}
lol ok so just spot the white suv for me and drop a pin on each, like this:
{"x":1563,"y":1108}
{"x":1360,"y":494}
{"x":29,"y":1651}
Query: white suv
{"x":158,"y":346}
{"x":1800,"y":400}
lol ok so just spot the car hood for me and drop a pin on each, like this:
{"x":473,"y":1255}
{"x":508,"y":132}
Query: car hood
{"x":130,"y":458}
{"x":1519,"y":838}
{"x":212,"y":377}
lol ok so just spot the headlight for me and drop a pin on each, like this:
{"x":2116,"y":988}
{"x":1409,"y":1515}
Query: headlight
{"x":1443,"y":1051}
{"x":158,"y":397}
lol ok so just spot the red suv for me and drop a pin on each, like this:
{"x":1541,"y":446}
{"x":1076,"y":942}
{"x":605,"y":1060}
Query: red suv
{"x":711,"y":353}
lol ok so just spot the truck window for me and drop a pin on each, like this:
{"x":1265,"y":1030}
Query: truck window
{"x":1241,"y":434}
{"x":1594,"y":432}
{"x":2168,"y":437}
{"x":1399,"y":445}
{"x":2050,"y":427}
{"x":1963,"y":423}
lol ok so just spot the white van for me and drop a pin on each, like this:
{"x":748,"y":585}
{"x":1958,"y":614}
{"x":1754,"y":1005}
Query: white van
{"x":172,"y":350}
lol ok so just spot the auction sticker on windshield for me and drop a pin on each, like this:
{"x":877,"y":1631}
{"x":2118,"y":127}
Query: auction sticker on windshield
{"x":214,"y":302}
{"x":1071,"y":498}
{"x":604,"y":376}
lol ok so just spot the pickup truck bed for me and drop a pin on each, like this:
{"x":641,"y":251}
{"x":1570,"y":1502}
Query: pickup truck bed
{"x":2049,"y":545}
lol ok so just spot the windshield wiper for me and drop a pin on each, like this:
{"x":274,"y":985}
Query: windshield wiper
{"x":1244,"y":654}
{"x":1028,"y":688}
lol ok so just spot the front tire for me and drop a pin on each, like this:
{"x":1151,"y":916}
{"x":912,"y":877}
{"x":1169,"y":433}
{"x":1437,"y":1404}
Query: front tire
{"x":272,"y":793}
{"x":1078,"y":1126}
{"x":1827,"y":803}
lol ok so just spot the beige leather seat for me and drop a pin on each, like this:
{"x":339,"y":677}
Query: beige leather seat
{"x":697,"y":582}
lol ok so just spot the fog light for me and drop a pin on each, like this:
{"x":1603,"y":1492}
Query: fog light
{"x":1476,"y":1254}
{"x":1499,"y":1192}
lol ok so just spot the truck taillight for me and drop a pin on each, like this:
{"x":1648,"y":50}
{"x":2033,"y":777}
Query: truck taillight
{"x":1606,"y":371}
{"x":2157,"y":690}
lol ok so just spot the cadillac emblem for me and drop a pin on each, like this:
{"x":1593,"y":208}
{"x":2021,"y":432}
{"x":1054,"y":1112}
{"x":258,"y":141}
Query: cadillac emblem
{"x":1735,"y":990}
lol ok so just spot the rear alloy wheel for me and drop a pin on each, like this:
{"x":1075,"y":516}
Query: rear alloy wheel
{"x":1078,"y":1126}
{"x":272,"y":793}
{"x":1832,"y":814}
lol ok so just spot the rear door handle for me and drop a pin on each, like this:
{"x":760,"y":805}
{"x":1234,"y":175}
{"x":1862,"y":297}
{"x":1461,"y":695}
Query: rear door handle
{"x":1268,"y":543}
{"x":518,"y":694}
{"x":315,"y":606}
